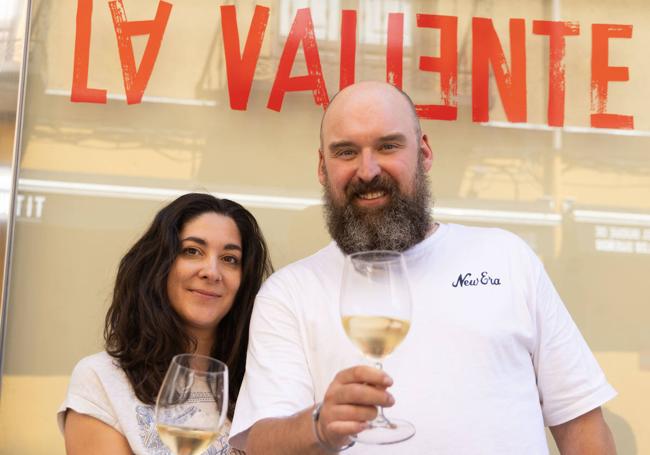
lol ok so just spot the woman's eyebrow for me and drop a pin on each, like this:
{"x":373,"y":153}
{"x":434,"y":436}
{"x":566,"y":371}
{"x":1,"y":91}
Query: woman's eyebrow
{"x":198,"y":240}
{"x":232,"y":246}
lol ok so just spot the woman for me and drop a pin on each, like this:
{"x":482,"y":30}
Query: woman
{"x":187,"y":285}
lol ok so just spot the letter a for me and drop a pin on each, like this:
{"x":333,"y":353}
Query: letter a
{"x":302,"y":31}
{"x":136,"y":79}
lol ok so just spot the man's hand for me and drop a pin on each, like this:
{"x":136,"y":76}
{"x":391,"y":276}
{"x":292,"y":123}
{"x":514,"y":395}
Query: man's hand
{"x":351,"y":401}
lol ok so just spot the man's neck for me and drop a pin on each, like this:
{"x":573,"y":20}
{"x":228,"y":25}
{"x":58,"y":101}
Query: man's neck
{"x":432,"y":229}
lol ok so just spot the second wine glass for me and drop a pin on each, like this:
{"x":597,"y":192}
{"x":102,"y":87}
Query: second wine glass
{"x":192,"y":403}
{"x":375,"y":308}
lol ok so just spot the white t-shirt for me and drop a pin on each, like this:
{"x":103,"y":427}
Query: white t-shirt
{"x":99,"y":388}
{"x":491,"y":357}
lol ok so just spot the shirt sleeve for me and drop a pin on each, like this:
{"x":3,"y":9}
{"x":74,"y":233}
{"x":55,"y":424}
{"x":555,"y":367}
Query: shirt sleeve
{"x":569,"y":379}
{"x":87,"y":395}
{"x":277,"y":381}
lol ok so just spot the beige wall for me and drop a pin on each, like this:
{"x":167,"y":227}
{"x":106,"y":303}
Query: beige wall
{"x":65,"y":259}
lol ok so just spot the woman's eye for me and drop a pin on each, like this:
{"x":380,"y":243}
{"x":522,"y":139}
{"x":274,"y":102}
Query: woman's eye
{"x":191,"y":251}
{"x":231,"y":260}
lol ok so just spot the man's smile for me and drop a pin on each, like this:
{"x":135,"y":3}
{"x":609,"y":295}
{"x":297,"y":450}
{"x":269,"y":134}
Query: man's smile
{"x":371,"y":195}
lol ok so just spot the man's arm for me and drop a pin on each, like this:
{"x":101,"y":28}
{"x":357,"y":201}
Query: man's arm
{"x":587,"y":434}
{"x":290,"y":435}
{"x":350,"y":401}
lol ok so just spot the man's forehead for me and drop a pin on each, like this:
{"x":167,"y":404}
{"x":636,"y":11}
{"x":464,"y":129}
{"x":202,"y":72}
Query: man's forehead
{"x":365,"y":102}
{"x":367,"y":95}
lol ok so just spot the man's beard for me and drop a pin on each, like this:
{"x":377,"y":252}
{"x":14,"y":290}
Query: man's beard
{"x":403,"y":222}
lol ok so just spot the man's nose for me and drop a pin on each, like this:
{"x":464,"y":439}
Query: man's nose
{"x":368,"y":167}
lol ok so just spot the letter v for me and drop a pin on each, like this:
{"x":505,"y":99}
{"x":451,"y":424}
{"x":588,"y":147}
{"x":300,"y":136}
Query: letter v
{"x":240,"y":70}
{"x":135,"y":80}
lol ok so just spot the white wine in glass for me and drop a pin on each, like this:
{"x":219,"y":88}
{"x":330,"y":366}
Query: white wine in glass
{"x":186,"y":441}
{"x":375,"y":308}
{"x":375,"y":336}
{"x":192,"y":403}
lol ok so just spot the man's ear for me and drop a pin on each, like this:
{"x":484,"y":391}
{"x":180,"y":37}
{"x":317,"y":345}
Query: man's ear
{"x":322,"y":174}
{"x":427,"y":153}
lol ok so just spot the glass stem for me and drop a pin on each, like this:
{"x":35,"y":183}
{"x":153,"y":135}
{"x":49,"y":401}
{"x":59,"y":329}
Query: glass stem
{"x":380,"y":420}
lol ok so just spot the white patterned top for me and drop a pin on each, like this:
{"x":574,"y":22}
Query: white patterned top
{"x":99,"y":388}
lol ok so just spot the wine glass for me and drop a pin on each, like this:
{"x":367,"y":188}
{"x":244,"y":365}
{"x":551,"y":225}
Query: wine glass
{"x":375,"y":308}
{"x":192,"y":403}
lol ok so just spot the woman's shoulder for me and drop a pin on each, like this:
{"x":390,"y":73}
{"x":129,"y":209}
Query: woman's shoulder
{"x":97,"y":360}
{"x":92,"y":387}
{"x":100,"y":364}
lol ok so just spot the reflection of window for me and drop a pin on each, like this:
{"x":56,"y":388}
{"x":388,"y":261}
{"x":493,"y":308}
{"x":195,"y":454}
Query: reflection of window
{"x":325,"y":14}
{"x":7,"y":14}
{"x":9,"y":51}
{"x":372,"y":18}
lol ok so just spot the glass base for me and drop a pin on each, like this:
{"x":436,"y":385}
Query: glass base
{"x":388,"y":432}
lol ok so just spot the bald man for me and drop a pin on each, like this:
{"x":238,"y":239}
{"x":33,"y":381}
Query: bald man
{"x":492,"y":355}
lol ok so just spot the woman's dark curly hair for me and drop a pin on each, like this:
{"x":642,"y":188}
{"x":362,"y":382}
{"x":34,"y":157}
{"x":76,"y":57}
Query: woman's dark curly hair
{"x":143,"y":332}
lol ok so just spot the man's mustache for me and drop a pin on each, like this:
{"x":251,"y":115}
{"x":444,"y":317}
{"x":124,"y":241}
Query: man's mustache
{"x":380,"y":182}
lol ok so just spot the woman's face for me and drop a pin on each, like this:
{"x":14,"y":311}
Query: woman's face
{"x":205,"y":276}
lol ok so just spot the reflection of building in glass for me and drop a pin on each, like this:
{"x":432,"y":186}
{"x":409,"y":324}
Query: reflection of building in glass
{"x":325,"y":15}
{"x":371,"y":22}
{"x":7,"y":19}
{"x":10,"y":55}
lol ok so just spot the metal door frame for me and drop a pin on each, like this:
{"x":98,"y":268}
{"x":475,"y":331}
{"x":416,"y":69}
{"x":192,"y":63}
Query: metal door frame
{"x":8,"y":194}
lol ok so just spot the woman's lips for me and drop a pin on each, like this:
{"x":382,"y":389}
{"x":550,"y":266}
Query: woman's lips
{"x":209,"y":294}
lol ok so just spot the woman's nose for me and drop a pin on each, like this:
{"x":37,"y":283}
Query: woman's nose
{"x":210,"y":270}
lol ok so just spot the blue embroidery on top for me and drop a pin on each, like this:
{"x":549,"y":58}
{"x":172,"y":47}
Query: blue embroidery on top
{"x":148,"y":433}
{"x":154,"y":445}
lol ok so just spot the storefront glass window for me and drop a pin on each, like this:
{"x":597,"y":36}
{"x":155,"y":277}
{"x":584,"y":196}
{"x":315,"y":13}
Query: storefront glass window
{"x":93,"y":171}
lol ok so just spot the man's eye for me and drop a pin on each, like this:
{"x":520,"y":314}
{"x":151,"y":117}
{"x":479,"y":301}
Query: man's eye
{"x":389,"y":146}
{"x":345,"y":153}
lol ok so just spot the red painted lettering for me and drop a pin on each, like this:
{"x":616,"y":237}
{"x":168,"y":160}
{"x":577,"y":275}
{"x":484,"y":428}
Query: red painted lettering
{"x":446,"y":65}
{"x":136,"y":79}
{"x":602,"y":73}
{"x":348,"y":47}
{"x":486,"y":50}
{"x":81,"y":93}
{"x":240,"y":68}
{"x":395,"y":49}
{"x":556,"y":31}
{"x":302,"y":31}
